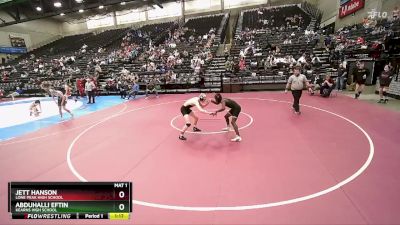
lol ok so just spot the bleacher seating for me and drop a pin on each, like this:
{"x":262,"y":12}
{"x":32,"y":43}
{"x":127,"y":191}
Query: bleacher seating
{"x":209,"y":79}
{"x":267,"y":29}
{"x":261,"y":34}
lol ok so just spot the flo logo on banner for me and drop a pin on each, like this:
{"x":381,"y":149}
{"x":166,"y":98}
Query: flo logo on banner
{"x":350,"y":7}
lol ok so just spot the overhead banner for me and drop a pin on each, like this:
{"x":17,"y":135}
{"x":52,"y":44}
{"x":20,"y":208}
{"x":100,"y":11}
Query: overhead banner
{"x":12,"y":50}
{"x":350,"y":7}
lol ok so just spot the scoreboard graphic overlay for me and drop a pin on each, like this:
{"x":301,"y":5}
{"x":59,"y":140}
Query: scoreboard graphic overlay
{"x":70,"y":200}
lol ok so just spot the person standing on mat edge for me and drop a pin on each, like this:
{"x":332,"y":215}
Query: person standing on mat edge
{"x":200,"y":102}
{"x":296,"y":83}
{"x":360,"y":75}
{"x":384,"y":82}
{"x":233,"y":112}
{"x":61,"y":98}
{"x":89,"y":88}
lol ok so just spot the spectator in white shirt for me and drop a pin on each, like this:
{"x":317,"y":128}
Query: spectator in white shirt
{"x":97,"y":69}
{"x":291,"y":61}
{"x":316,"y":61}
{"x":302,"y":59}
{"x":287,"y":42}
{"x":124,"y":71}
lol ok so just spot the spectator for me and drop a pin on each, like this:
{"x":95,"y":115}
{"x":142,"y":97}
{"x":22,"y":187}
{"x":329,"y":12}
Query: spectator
{"x":287,"y":42}
{"x":342,"y":77}
{"x":171,"y":77}
{"x":229,"y":65}
{"x":24,"y":74}
{"x":122,"y":86}
{"x":80,"y":86}
{"x":396,"y":13}
{"x":315,"y":85}
{"x":97,"y":69}
{"x":209,"y":57}
{"x":316,"y":61}
{"x":384,"y":83}
{"x":326,"y":86}
{"x":291,"y":61}
{"x":134,"y":91}
{"x":124,"y":71}
{"x":151,"y":88}
{"x":242,"y":64}
{"x":226,"y":52}
{"x":302,"y":59}
{"x":83,"y":48}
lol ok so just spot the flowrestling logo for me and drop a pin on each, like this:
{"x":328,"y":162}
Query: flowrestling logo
{"x":350,"y":7}
{"x":375,"y":14}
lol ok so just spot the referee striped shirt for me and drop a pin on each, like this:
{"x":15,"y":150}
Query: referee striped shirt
{"x":297,"y":82}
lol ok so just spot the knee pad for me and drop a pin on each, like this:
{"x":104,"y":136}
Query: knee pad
{"x":188,"y":124}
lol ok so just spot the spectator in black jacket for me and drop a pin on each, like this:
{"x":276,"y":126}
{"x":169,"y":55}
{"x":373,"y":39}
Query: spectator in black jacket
{"x":316,"y":82}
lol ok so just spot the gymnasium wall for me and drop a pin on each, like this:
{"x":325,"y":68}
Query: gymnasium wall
{"x":79,"y":28}
{"x":34,"y":32}
{"x":73,"y":28}
{"x":201,"y":6}
{"x":330,"y":8}
{"x":191,"y":8}
{"x":388,"y":5}
{"x":359,"y":15}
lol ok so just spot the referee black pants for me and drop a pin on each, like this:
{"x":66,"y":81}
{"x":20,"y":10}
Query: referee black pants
{"x":296,"y":99}
{"x":91,"y":97}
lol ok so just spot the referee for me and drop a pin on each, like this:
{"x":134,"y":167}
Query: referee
{"x":296,"y":84}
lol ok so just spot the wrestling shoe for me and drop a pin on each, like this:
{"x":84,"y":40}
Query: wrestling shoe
{"x":226,"y":129}
{"x":236,"y":139}
{"x":195,"y":129}
{"x":181,"y":137}
{"x":386,"y":101}
{"x":381,"y":101}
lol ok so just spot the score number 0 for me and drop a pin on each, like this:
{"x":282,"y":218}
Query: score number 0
{"x":121,"y":206}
